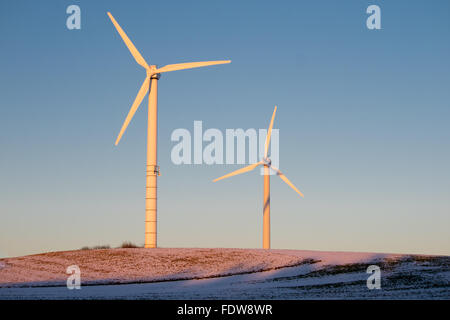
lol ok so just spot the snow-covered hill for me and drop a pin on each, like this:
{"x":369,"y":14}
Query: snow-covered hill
{"x":138,"y":273}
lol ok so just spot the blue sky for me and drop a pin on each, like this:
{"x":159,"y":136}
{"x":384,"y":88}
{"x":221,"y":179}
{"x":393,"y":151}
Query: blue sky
{"x":363,"y":118}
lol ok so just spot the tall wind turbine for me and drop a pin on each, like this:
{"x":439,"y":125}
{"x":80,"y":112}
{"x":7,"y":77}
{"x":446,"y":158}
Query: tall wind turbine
{"x":151,"y":85}
{"x":267,"y":163}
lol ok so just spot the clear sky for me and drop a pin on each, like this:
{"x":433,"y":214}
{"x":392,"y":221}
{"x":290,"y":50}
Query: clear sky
{"x":363,"y":118}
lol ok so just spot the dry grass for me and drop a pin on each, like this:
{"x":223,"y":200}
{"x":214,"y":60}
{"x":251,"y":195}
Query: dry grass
{"x":105,"y":246}
{"x":128,"y":244}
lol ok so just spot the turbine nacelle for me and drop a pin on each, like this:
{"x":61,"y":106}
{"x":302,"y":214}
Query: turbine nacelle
{"x":156,"y":76}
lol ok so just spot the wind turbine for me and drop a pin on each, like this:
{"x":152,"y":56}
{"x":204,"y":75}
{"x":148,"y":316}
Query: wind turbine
{"x":151,"y":85}
{"x":267,"y":163}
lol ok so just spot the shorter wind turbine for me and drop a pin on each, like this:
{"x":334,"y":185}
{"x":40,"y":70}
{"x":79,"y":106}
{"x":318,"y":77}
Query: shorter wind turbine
{"x":267,"y":163}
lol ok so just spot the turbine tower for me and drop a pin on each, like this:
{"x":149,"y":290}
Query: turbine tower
{"x":267,"y":163}
{"x":151,"y":85}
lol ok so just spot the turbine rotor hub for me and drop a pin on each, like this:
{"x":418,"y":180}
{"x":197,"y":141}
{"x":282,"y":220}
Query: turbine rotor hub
{"x":151,"y":72}
{"x":267,"y":161}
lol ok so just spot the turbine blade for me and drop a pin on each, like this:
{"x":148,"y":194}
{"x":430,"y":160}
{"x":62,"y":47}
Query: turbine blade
{"x":137,"y":101}
{"x":285,"y":179}
{"x":239,"y":171}
{"x":269,"y":133}
{"x":189,"y":65}
{"x":137,"y":56}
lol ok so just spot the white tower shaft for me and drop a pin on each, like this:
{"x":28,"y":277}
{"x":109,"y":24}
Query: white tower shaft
{"x":152,"y":166}
{"x":266,"y":208}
